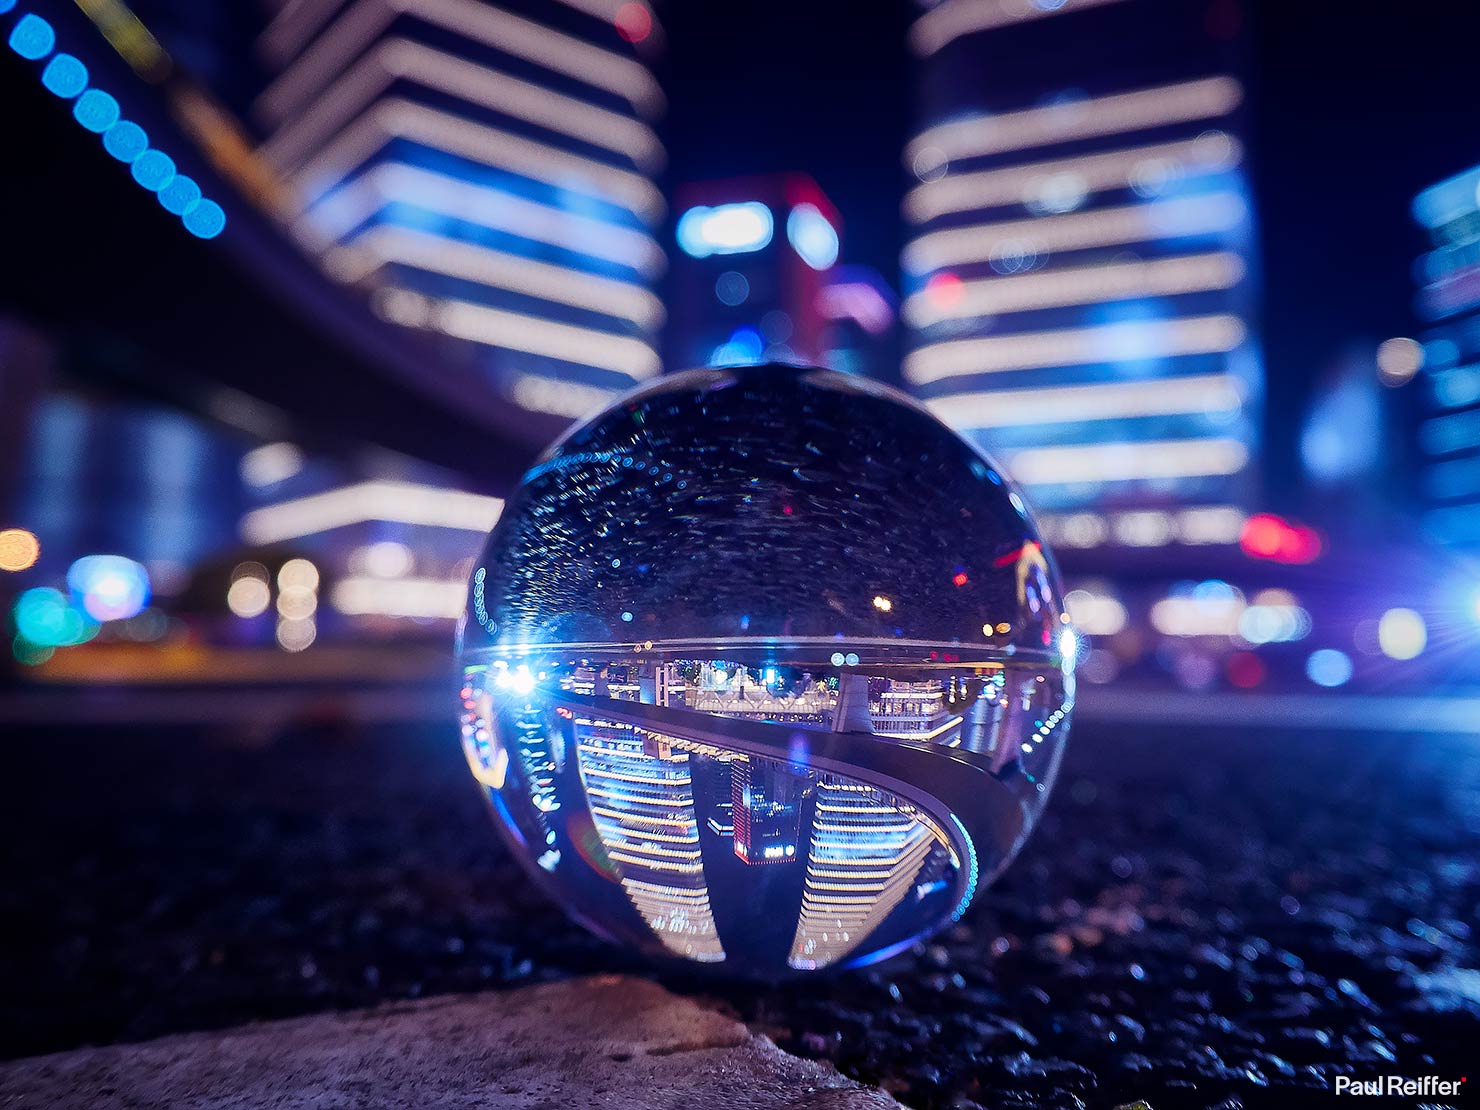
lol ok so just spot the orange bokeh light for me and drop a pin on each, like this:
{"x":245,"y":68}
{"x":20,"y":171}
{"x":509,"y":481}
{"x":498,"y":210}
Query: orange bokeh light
{"x":19,"y":549}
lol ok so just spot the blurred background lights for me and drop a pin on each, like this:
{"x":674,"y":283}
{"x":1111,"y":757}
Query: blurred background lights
{"x":19,"y":549}
{"x":153,"y":170}
{"x":725,"y":229}
{"x":744,"y":347}
{"x":812,"y":236}
{"x":1402,"y":634}
{"x":634,"y":22}
{"x":296,"y":634}
{"x":1245,"y":670}
{"x":96,"y":110}
{"x":1328,"y":667}
{"x":1095,"y":614}
{"x":65,"y":76}
{"x":383,"y":559}
{"x":125,"y":140}
{"x":1398,"y":360}
{"x":180,"y":195}
{"x":110,"y":587}
{"x":248,"y":597}
{"x":297,"y":602}
{"x":1266,"y":536}
{"x":1270,"y":621}
{"x":271,"y":463}
{"x":298,"y":574}
{"x":731,"y":288}
{"x":45,"y":617}
{"x":32,"y":37}
{"x":206,"y":220}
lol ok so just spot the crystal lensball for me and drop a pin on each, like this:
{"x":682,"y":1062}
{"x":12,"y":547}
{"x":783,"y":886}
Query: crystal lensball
{"x":767,"y":669}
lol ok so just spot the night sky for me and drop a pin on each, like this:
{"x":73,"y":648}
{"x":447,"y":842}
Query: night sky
{"x":1354,"y":109}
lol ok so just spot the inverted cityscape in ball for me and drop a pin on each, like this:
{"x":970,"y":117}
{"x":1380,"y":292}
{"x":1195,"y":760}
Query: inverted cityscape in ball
{"x":765,"y":669}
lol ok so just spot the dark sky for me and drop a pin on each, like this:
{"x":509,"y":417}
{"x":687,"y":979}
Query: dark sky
{"x":1355,"y":107}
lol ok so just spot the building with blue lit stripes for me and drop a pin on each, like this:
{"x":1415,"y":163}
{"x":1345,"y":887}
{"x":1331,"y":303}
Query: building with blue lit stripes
{"x":485,"y":173}
{"x":1079,"y":273}
{"x":1449,"y":301}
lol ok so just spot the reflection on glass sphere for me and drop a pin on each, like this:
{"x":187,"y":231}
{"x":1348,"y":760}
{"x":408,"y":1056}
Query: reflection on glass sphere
{"x":767,"y":669}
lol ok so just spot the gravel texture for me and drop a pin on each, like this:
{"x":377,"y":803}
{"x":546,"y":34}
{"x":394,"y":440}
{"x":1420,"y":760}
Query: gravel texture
{"x":1202,"y":920}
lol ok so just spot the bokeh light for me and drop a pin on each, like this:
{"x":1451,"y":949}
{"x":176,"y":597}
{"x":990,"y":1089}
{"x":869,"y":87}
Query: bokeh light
{"x":96,"y":110}
{"x":153,"y":169}
{"x":634,"y":22}
{"x":32,"y":37}
{"x":65,"y":76}
{"x":296,"y":634}
{"x":206,"y":220}
{"x":125,"y":140}
{"x":248,"y":597}
{"x":19,"y":549}
{"x":1398,"y":360}
{"x":46,"y":618}
{"x":298,"y":574}
{"x":1402,"y":634}
{"x":1329,"y":667}
{"x":109,"y":587}
{"x":180,"y":195}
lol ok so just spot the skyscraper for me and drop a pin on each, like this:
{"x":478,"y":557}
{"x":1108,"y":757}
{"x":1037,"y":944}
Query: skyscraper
{"x":1450,"y":302}
{"x":1080,"y":272}
{"x":485,"y":174}
{"x":640,"y":790}
{"x":766,"y":807}
{"x":867,"y":850}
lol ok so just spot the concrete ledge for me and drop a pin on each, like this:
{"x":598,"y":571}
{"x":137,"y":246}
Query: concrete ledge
{"x":608,"y":1042}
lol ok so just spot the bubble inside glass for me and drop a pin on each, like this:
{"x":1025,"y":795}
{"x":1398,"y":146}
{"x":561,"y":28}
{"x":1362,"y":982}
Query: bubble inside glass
{"x":765,"y":669}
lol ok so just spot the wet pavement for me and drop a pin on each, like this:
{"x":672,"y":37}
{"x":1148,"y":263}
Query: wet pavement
{"x":1205,"y":918}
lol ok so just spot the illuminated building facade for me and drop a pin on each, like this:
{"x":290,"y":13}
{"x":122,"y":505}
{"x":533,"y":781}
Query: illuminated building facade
{"x":1450,"y":301}
{"x":1080,"y":273}
{"x":754,"y":257}
{"x":396,"y":547}
{"x":867,"y":851}
{"x":485,"y":175}
{"x":640,"y":790}
{"x":766,"y":809}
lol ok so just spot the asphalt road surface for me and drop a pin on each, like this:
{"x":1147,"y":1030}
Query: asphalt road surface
{"x":1205,"y":917}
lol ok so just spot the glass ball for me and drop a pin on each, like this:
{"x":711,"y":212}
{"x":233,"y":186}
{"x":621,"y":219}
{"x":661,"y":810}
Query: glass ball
{"x":765,"y":669}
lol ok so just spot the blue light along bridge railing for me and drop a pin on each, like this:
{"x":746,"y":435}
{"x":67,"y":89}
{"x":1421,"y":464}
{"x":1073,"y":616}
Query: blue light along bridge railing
{"x":34,"y":39}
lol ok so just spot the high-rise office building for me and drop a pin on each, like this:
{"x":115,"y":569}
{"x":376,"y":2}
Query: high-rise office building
{"x":1080,"y":274}
{"x":640,"y":790}
{"x":867,"y":850}
{"x":766,"y":809}
{"x":1449,"y":301}
{"x":485,"y":172}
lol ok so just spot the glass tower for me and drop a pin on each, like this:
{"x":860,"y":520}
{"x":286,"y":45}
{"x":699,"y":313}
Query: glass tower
{"x":1449,"y":301}
{"x":1079,"y":273}
{"x":485,"y":173}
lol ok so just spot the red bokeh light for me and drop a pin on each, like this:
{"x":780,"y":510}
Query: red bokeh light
{"x":634,"y":22}
{"x":1246,"y":670}
{"x":945,"y":290}
{"x":960,"y":578}
{"x":1266,"y":536}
